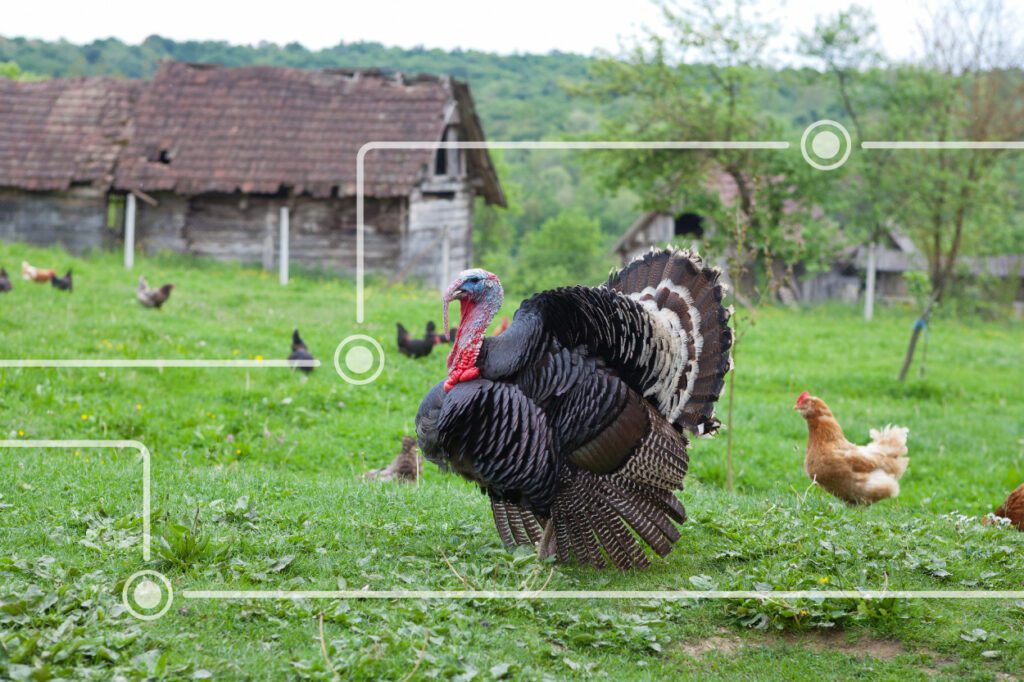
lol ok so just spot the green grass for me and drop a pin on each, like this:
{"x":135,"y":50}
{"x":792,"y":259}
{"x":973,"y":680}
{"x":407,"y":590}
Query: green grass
{"x":255,"y":487}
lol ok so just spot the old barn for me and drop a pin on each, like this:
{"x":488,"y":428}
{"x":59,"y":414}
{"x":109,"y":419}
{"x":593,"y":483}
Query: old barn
{"x":255,"y":164}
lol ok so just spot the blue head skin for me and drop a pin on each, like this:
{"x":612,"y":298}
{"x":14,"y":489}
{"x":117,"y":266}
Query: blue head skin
{"x":474,"y":287}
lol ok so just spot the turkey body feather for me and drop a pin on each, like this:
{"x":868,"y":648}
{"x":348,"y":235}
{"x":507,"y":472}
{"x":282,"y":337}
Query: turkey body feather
{"x":575,"y":424}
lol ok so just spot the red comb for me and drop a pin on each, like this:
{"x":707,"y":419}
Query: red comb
{"x":803,"y":396}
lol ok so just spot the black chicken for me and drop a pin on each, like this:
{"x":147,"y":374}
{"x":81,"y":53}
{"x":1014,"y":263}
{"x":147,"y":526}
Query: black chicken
{"x":64,"y":283}
{"x":5,"y":282}
{"x":416,"y":348}
{"x":300,"y":357}
{"x":446,"y":337}
{"x":573,"y":419}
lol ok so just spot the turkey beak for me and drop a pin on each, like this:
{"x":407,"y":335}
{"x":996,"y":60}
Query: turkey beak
{"x":453,"y":293}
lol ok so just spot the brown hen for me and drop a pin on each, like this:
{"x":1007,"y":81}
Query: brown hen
{"x":856,"y":474}
{"x":1013,"y":508}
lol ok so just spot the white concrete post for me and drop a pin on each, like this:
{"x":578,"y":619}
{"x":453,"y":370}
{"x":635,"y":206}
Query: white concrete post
{"x":129,"y":232}
{"x":283,"y":250}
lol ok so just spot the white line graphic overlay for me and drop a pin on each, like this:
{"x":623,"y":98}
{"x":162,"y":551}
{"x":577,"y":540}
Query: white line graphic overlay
{"x":952,"y":144}
{"x":569,"y":145}
{"x":123,"y":444}
{"x":669,"y":595}
{"x":162,"y":364}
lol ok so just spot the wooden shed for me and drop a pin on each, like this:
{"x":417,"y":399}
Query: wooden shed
{"x":215,"y":161}
{"x":59,"y":142}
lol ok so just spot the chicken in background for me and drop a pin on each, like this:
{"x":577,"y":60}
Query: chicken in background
{"x":152,"y":298}
{"x":300,"y":353}
{"x":445,"y":337}
{"x":33,"y":274}
{"x":407,"y":465}
{"x":64,"y":283}
{"x":415,"y":348}
{"x":857,"y":474}
{"x":5,"y":282}
{"x":431,"y":333}
{"x":1013,"y":508}
{"x":452,"y":331}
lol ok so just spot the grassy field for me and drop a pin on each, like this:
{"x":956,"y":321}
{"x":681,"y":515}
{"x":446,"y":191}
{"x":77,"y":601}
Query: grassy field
{"x":255,"y":486}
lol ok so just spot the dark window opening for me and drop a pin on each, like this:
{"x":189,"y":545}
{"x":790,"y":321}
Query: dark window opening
{"x":441,"y":162}
{"x":689,"y":224}
{"x":439,"y":195}
{"x":447,"y":160}
{"x":164,"y":156}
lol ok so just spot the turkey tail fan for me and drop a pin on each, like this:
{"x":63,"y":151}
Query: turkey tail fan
{"x":612,"y":517}
{"x":686,"y":296}
{"x":515,"y":525}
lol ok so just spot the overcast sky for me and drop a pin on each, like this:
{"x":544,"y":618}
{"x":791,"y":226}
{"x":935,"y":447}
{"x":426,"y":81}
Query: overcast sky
{"x":504,"y":26}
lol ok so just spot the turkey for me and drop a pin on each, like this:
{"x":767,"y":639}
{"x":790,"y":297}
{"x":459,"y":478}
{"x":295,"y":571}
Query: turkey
{"x":574,"y":420}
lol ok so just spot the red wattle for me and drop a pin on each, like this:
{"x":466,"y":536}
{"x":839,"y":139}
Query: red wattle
{"x":466,"y":349}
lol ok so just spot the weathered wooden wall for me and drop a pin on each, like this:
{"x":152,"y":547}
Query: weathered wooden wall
{"x":245,"y":228}
{"x":835,"y":285}
{"x":659,"y":230}
{"x":403,"y":236}
{"x":161,"y":227}
{"x":442,"y":204}
{"x":75,"y":219}
{"x":324,"y":233}
{"x":891,"y":285}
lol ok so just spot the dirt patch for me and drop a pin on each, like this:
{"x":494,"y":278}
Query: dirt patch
{"x":865,"y":647}
{"x":838,"y":640}
{"x":720,"y":643}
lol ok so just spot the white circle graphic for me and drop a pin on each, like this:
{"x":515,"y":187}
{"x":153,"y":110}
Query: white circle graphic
{"x":826,"y":144}
{"x":359,"y":359}
{"x":365,"y":355}
{"x":147,"y":594}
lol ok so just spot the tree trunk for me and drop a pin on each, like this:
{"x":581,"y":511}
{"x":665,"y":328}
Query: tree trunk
{"x":919,"y":326}
{"x":869,"y":289}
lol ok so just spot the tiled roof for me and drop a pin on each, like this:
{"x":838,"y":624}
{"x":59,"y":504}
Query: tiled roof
{"x":61,"y":132}
{"x":202,"y":128}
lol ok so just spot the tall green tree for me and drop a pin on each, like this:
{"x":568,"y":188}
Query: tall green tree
{"x":968,"y":88}
{"x":702,"y":82}
{"x":845,"y":46}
